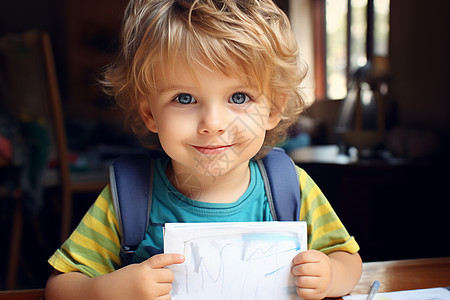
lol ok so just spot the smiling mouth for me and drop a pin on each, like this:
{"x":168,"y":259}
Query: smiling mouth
{"x":212,"y":150}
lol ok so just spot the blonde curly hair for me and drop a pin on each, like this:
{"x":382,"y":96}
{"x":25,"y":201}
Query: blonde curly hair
{"x":252,"y":36}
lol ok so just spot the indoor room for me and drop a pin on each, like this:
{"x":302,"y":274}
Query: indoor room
{"x":374,"y":134}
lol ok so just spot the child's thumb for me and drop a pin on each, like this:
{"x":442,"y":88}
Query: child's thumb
{"x":163,"y":260}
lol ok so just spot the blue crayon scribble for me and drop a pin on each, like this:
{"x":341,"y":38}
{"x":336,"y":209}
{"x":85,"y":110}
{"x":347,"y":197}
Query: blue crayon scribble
{"x":273,"y":272}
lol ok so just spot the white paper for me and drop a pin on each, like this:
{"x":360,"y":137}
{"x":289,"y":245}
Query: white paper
{"x":249,"y":260}
{"x":420,"y":294}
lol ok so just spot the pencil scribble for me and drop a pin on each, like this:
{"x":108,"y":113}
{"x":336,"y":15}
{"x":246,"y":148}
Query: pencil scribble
{"x":250,"y":265}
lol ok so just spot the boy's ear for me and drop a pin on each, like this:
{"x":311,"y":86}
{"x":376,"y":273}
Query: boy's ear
{"x":274,"y":119}
{"x":146,"y":114}
{"x":276,"y":112}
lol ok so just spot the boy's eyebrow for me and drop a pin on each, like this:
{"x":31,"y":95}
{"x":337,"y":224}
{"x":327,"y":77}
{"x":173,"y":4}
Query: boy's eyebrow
{"x":168,"y":89}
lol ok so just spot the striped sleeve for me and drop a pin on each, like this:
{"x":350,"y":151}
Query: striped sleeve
{"x":326,"y":232}
{"x":94,"y":247}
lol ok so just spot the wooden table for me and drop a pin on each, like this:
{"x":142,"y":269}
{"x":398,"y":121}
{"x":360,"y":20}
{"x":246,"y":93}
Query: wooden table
{"x":398,"y":275}
{"x":395,"y":275}
{"x":31,"y":294}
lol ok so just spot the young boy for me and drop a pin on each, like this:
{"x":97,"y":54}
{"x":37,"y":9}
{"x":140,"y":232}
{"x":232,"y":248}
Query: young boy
{"x":218,"y":83}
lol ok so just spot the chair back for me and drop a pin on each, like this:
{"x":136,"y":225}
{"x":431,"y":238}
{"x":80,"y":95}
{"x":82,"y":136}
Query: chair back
{"x":30,"y":94}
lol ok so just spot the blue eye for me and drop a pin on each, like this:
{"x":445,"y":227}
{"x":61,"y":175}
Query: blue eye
{"x":184,"y":98}
{"x":239,"y":98}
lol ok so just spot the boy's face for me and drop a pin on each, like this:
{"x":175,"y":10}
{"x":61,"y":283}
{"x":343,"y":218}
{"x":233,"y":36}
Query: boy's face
{"x":209,"y":124}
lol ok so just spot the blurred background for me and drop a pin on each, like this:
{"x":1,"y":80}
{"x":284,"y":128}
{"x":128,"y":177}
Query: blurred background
{"x":375,"y":135}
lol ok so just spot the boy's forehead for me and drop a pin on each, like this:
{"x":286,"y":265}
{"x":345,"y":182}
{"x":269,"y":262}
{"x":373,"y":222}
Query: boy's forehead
{"x":181,"y":71}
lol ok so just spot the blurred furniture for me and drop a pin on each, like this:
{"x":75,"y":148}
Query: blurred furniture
{"x":35,"y":46}
{"x":32,"y":94}
{"x":10,"y":191}
{"x":384,"y":202}
{"x":408,"y":274}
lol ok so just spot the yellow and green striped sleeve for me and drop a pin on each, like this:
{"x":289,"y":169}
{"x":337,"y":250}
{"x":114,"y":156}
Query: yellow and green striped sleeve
{"x":326,"y":232}
{"x":94,"y":247}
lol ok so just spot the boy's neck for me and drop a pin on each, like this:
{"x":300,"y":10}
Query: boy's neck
{"x":226,"y":188}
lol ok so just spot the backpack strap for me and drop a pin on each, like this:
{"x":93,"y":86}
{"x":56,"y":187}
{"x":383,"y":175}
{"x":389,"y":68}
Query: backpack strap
{"x":282,"y":185}
{"x":132,"y":202}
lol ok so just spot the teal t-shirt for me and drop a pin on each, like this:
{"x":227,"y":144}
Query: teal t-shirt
{"x":170,"y":206}
{"x":93,"y":248}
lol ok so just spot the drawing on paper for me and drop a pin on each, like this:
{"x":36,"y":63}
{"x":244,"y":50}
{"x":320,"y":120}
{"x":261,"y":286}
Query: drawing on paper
{"x":238,"y":265}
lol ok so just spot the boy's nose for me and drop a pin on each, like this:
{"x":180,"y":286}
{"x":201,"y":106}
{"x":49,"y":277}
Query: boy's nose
{"x":213,"y":120}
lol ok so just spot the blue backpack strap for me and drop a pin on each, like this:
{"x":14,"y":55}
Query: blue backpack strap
{"x":282,"y":185}
{"x":131,"y":179}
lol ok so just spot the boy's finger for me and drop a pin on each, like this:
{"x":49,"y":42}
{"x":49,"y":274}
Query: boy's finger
{"x":309,"y":256}
{"x":163,"y":260}
{"x":165,"y":276}
{"x":299,"y":258}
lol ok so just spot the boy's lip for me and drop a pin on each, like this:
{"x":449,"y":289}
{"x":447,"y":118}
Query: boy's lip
{"x":212,"y":149}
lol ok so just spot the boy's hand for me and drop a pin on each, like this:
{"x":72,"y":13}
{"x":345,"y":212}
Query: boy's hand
{"x":147,"y":280}
{"x":312,"y":274}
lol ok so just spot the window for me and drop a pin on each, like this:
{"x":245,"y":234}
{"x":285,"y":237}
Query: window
{"x":347,"y":34}
{"x":336,"y":12}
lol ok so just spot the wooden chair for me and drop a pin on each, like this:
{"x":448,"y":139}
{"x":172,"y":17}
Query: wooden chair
{"x":30,"y":69}
{"x":94,"y":181}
